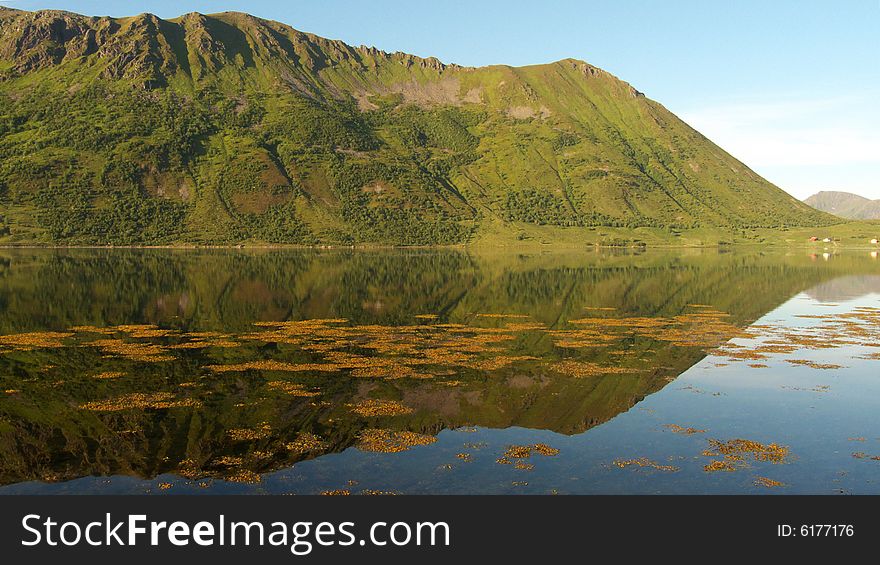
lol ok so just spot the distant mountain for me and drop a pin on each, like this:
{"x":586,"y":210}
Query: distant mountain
{"x":228,"y":128}
{"x":845,"y":205}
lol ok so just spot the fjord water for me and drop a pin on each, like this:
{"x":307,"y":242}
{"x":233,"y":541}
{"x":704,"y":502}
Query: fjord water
{"x":427,"y":371}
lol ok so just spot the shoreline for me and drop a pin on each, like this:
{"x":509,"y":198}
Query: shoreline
{"x":463,"y":247}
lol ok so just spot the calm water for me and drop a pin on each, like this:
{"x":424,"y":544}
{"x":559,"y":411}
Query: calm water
{"x":160,"y":371}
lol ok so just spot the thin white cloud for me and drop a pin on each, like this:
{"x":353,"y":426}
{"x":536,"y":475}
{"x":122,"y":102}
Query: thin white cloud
{"x":785,"y":138}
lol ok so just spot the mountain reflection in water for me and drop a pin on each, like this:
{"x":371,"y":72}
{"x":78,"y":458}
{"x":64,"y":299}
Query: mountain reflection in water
{"x":217,"y":368}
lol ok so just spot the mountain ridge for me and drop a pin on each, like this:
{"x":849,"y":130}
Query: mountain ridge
{"x":228,"y":128}
{"x":845,"y":204}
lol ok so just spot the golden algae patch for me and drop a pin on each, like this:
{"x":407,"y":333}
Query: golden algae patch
{"x":738,"y":449}
{"x":92,"y":330}
{"x":291,"y":389}
{"x":524,"y":326}
{"x":228,"y":461}
{"x":683,"y":430}
{"x":719,"y":465}
{"x":189,"y":468}
{"x":581,"y":338}
{"x":132,"y":351}
{"x":525,"y":451}
{"x":391,"y":441}
{"x":767,"y":483}
{"x":305,"y":443}
{"x":108,"y":375}
{"x":377,"y":407}
{"x":147,"y":333}
{"x":643,"y":462}
{"x":261,"y":431}
{"x":813,"y":364}
{"x":268,"y":365}
{"x":503,"y":316}
{"x":244,"y":476}
{"x":523,"y":466}
{"x":545,"y":450}
{"x":390,"y":372}
{"x":584,"y":369}
{"x":337,"y":492}
{"x":34,"y":340}
{"x":139,"y":401}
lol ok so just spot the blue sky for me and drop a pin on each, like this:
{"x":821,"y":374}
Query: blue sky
{"x":789,"y":87}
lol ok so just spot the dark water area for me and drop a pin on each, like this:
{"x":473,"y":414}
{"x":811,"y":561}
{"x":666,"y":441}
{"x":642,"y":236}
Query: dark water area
{"x":429,"y":371}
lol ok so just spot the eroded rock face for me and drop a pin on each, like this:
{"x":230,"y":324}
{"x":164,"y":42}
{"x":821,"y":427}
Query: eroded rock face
{"x":41,"y":39}
{"x":148,"y":47}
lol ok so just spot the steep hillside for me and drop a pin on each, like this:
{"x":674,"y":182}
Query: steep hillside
{"x":846,"y":205}
{"x":228,"y":128}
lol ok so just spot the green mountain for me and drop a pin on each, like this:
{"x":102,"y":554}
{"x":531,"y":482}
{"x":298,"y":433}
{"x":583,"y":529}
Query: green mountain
{"x":228,"y":128}
{"x":846,"y":205}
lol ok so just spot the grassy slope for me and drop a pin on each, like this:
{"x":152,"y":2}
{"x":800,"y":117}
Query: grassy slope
{"x":228,"y":128}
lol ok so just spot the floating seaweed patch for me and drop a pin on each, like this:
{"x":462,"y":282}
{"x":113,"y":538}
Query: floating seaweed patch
{"x":545,"y":450}
{"x":584,"y":369}
{"x":739,"y":449}
{"x":719,"y":465}
{"x":261,"y":431}
{"x":503,"y":316}
{"x":817,"y":388}
{"x":34,"y":340}
{"x":525,"y":451}
{"x":683,"y":430}
{"x":377,"y":407}
{"x":108,"y":375}
{"x":644,"y":462}
{"x":140,"y":401}
{"x":190,"y":469}
{"x":813,"y":364}
{"x":132,"y":351}
{"x":767,"y":483}
{"x":305,"y":443}
{"x":291,"y":389}
{"x":92,"y":330}
{"x":391,"y":441}
{"x":268,"y":365}
{"x":244,"y":476}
